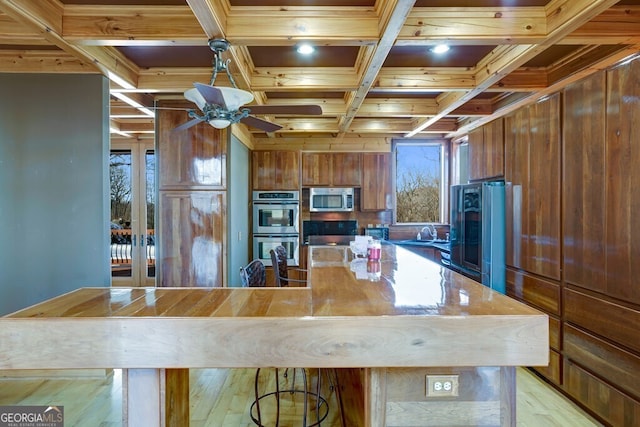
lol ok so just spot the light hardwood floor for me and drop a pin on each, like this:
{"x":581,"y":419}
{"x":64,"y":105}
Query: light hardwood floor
{"x":96,"y":402}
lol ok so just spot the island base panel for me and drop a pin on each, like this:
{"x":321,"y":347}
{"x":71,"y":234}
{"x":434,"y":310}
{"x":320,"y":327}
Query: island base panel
{"x":397,"y":397}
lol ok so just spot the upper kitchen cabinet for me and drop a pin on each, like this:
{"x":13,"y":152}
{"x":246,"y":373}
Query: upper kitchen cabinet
{"x":376,"y":182}
{"x":191,"y":159}
{"x":532,"y":174}
{"x":275,"y":170}
{"x":331,"y":169}
{"x":486,"y":151}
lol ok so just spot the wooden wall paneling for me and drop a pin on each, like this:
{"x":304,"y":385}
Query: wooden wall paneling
{"x":583,"y":183}
{"x":190,"y":159}
{"x":192,"y":232}
{"x":613,"y":364}
{"x":616,"y":408}
{"x":517,"y":189}
{"x":622,"y":183}
{"x":543,"y":214}
{"x":275,"y":170}
{"x":616,"y":322}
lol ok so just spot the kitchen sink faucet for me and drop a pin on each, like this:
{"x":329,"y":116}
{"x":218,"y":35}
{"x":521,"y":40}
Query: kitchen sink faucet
{"x":429,"y":232}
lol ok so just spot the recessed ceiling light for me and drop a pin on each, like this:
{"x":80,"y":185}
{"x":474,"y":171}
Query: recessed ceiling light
{"x":440,"y":49}
{"x":305,"y":49}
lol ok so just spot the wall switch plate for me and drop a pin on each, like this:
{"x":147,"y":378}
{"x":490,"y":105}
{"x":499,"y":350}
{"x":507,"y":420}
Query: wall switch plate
{"x":442,"y":385}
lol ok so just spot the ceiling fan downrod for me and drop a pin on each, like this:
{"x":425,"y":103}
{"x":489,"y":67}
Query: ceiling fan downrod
{"x":218,"y":46}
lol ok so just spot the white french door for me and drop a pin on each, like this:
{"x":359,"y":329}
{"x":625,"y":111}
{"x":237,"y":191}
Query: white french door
{"x":133,"y":202}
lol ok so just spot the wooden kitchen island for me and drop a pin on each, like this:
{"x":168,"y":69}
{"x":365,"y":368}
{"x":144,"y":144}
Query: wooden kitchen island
{"x":390,"y":330}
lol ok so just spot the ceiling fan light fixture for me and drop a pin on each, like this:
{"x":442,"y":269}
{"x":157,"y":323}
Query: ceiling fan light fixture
{"x":305,"y":49}
{"x":219,"y":123}
{"x":439,"y":49}
{"x":233,"y":98}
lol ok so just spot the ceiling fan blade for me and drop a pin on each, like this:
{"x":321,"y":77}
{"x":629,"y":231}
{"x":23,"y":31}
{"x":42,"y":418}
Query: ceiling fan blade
{"x":187,"y":125}
{"x":211,"y":94}
{"x":260,"y":124}
{"x":303,"y":110}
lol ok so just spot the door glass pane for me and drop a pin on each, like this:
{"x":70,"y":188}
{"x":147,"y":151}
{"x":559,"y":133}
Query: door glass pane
{"x":120,"y":185}
{"x":150,"y":179}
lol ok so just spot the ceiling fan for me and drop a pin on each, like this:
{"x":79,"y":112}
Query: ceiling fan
{"x":223,"y":106}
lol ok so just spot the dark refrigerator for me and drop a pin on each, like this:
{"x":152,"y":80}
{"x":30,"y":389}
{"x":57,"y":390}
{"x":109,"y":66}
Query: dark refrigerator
{"x":478,"y":232}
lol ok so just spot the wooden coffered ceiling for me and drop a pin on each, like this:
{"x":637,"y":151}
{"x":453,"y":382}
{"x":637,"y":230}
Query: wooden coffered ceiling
{"x":372,"y":72}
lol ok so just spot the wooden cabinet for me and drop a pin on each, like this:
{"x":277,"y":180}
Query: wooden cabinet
{"x":584,"y":183}
{"x":331,"y":169}
{"x":486,"y":151}
{"x":191,"y":219}
{"x":376,"y":182}
{"x":275,"y":170}
{"x":532,"y":174}
{"x":191,"y":159}
{"x":192,"y":230}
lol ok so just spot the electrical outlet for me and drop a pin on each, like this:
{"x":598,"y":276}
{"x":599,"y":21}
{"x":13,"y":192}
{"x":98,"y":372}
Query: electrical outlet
{"x":442,"y":385}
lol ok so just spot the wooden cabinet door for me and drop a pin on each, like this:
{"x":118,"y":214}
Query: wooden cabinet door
{"x":517,"y":186}
{"x":275,"y":170}
{"x":543,"y":214}
{"x":191,"y":159}
{"x":532,"y":174}
{"x":486,"y":151}
{"x":331,"y":169}
{"x":347,"y":169}
{"x":622,"y":183}
{"x":192,"y":236}
{"x":493,"y":149}
{"x":583,"y":184}
{"x":476,"y":154}
{"x":317,"y":169}
{"x":376,"y":182}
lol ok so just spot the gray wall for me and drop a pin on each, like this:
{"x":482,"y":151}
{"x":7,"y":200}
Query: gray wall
{"x":238,"y":210}
{"x":54,"y":144}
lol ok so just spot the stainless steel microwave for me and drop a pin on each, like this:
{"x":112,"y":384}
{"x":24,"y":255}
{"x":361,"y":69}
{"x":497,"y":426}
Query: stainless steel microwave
{"x":330,"y":199}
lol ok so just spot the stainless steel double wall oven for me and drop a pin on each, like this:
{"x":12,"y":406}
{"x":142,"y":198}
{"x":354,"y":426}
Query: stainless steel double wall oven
{"x":276,"y":221}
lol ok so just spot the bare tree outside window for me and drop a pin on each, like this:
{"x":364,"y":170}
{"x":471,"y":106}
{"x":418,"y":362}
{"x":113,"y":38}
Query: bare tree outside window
{"x":418,"y":182}
{"x":120,"y":182}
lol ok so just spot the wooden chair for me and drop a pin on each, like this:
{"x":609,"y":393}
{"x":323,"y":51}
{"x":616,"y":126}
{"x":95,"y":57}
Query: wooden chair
{"x":254,"y":274}
{"x":281,"y":268}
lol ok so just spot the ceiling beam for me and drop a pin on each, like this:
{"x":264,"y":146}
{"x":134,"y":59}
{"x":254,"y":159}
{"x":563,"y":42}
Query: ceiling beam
{"x":393,"y":18}
{"x":45,"y":17}
{"x":514,"y":103}
{"x":563,"y":17}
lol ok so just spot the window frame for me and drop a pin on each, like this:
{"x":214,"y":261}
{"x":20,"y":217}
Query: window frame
{"x":445,"y":145}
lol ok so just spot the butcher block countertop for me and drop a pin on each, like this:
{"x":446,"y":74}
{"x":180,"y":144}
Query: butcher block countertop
{"x":416,"y":313}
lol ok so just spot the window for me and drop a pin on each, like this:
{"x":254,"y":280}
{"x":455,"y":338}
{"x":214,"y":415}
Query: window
{"x":421,"y":180}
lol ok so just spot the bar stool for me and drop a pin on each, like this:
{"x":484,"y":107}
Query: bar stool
{"x":281,"y":274}
{"x":281,"y":268}
{"x":253,"y":275}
